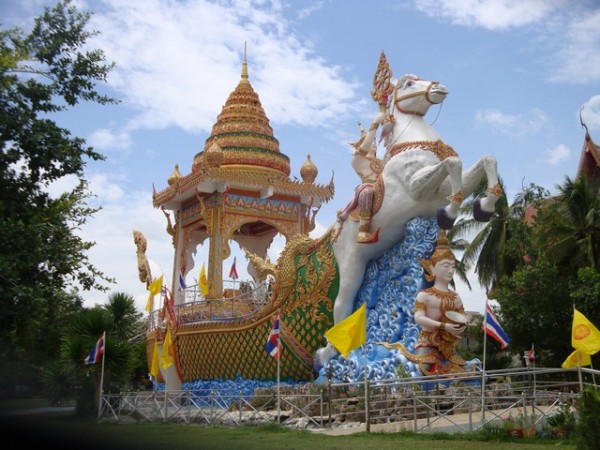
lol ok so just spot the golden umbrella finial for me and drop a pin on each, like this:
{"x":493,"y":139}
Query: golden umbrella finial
{"x":382,"y":86}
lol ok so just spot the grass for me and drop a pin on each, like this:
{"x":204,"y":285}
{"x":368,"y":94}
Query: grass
{"x":65,"y":431}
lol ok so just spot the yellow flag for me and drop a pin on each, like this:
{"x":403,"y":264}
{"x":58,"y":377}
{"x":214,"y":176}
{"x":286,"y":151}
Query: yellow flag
{"x":155,"y":287}
{"x":154,"y":369}
{"x":585,"y":336}
{"x":350,"y":333}
{"x":577,"y":359}
{"x":202,"y":283}
{"x":166,"y":357}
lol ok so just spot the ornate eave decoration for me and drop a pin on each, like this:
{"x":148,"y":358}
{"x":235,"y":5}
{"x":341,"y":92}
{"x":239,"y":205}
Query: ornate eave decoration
{"x":255,"y":179}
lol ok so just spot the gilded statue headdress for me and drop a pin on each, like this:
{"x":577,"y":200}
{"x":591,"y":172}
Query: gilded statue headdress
{"x":442,"y":251}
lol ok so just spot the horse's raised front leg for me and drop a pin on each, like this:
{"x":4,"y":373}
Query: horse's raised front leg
{"x":483,"y":208}
{"x":443,"y":177}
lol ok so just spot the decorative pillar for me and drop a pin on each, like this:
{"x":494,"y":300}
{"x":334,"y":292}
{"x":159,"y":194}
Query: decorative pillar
{"x":215,"y":252}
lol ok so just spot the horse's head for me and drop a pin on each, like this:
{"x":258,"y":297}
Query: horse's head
{"x":412,"y":95}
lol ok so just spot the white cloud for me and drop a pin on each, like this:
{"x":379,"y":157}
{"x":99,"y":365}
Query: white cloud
{"x":569,"y":28}
{"x":62,"y":185}
{"x":514,"y":125}
{"x":310,"y":9}
{"x":177,"y":62}
{"x":489,"y":14}
{"x":558,"y":154}
{"x":591,"y":113}
{"x":578,"y":45}
{"x":115,"y":252}
{"x":105,"y":139}
{"x":104,"y":189}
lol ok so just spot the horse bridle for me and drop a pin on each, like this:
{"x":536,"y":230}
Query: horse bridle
{"x":424,"y":93}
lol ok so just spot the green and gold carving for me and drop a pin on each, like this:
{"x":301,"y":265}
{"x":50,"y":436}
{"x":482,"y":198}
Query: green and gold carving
{"x":306,"y":281}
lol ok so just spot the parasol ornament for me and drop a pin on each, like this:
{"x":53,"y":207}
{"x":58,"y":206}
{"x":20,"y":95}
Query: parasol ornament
{"x":382,"y":86}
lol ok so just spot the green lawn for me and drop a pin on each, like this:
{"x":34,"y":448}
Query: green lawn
{"x":65,"y":431}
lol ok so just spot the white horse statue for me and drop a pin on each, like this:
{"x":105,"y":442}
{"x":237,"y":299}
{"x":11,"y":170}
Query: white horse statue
{"x":421,"y":176}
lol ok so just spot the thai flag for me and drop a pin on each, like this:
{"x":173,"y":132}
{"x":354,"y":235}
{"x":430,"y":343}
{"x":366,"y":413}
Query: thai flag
{"x":182,"y":284}
{"x":493,"y":328}
{"x":273,"y":346}
{"x":96,"y":352}
{"x":233,"y":271}
{"x":531,"y":353}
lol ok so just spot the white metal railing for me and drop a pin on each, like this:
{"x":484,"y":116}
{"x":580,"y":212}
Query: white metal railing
{"x":425,"y":404}
{"x":241,"y":299}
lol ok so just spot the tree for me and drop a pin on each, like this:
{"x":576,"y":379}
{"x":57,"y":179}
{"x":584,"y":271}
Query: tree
{"x":500,"y":245}
{"x":41,"y":256}
{"x":585,"y":293}
{"x":68,"y":377}
{"x":535,"y":308}
{"x":569,"y":228}
{"x":561,"y":271}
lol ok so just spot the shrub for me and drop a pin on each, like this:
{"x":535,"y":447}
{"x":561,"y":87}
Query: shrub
{"x":588,"y":427}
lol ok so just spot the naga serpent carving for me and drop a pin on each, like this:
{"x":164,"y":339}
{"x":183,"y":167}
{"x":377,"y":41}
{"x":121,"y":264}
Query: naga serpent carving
{"x":141,"y":244}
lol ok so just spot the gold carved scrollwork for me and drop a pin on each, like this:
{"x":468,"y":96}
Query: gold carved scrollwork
{"x":231,"y":223}
{"x":439,"y":148}
{"x":225,"y":249}
{"x":171,"y":229}
{"x":263,"y":268}
{"x":316,"y":255}
{"x":205,"y":213}
{"x":184,"y":247}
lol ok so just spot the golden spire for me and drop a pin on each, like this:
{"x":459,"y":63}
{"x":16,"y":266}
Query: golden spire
{"x":245,"y":67}
{"x":243,"y":132}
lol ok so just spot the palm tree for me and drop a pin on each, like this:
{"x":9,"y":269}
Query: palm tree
{"x":498,"y":246}
{"x":69,"y":377}
{"x":569,"y":226}
{"x":121,"y":315}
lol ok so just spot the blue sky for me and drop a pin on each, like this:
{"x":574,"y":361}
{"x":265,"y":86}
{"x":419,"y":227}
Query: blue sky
{"x":518,"y":74}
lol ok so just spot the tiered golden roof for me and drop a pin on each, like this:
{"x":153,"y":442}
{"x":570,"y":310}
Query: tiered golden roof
{"x":243,"y":151}
{"x":243,"y":132}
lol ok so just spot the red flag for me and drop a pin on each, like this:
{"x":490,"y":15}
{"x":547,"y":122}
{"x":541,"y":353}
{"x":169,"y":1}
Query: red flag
{"x":233,"y":271}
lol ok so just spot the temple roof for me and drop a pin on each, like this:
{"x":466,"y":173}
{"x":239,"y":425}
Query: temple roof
{"x":242,"y":151}
{"x":589,"y":162}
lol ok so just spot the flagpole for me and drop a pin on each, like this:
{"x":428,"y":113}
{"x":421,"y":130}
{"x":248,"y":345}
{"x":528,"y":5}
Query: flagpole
{"x":102,"y":375}
{"x":484,"y":356}
{"x":534,"y":374}
{"x":367,"y":412}
{"x":578,"y":358}
{"x":279,"y":388}
{"x":579,"y":371}
{"x":166,"y":407}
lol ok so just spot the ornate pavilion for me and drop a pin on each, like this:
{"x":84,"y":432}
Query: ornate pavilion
{"x":239,"y":189}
